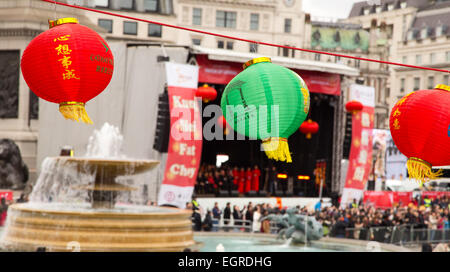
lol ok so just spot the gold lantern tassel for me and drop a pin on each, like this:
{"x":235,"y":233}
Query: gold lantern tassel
{"x":277,"y":149}
{"x":421,"y":170}
{"x":74,"y":111}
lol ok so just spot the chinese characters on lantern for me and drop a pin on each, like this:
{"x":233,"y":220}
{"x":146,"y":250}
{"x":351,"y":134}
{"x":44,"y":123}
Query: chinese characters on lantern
{"x":64,"y":52}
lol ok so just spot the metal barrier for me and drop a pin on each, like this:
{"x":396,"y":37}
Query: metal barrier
{"x":399,"y":235}
{"x":238,"y":225}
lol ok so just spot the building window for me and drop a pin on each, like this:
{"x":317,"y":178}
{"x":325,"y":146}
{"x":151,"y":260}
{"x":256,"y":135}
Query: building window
{"x":378,"y":9}
{"x":154,"y":30}
{"x":317,"y":57}
{"x":102,"y":3}
{"x":220,"y":44}
{"x":9,"y":83}
{"x":126,"y":4}
{"x":390,"y":7}
{"x":432,"y":58}
{"x":445,"y":80}
{"x":337,"y":59}
{"x":404,"y":59}
{"x":448,"y":56}
{"x":130,"y":28}
{"x":226,"y":19}
{"x":106,"y":24}
{"x":403,"y":4}
{"x":285,"y":52}
{"x":254,"y":21}
{"x":402,"y":85}
{"x":287,"y":25}
{"x":416,"y":83}
{"x":33,"y":107}
{"x":230,"y":45}
{"x":253,"y":47}
{"x":430,"y":82}
{"x":366,"y":11}
{"x":357,"y":63}
{"x":196,"y":41}
{"x":197,"y":16}
{"x":151,"y":5}
{"x":418,"y":59}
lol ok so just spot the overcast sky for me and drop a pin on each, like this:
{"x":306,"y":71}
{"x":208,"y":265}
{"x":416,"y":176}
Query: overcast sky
{"x":328,"y":8}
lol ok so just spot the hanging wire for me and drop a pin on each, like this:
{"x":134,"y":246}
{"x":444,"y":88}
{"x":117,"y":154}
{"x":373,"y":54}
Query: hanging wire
{"x":247,"y":40}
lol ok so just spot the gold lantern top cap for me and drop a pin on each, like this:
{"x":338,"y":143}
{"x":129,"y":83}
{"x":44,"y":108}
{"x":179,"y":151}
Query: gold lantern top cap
{"x":442,"y":87}
{"x":256,"y":60}
{"x":53,"y":23}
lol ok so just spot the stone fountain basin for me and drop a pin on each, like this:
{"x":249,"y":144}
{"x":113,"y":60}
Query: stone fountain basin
{"x":118,"y":167}
{"x":58,"y":226}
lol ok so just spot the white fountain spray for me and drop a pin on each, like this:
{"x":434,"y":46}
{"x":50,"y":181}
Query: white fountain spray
{"x":105,"y":143}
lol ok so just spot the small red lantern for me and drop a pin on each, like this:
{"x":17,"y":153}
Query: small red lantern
{"x":309,"y":127}
{"x":223,"y":124}
{"x":68,"y":64}
{"x":206,"y":92}
{"x":420,"y":128}
{"x":354,"y":106}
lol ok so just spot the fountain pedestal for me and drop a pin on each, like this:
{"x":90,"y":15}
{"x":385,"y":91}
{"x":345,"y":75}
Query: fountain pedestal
{"x":99,"y":225}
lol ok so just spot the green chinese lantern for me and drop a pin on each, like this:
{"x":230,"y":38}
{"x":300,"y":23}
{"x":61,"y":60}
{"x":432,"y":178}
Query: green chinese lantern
{"x":267,"y":102}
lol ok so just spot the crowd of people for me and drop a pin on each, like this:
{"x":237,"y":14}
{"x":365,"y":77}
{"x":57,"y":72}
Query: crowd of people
{"x":425,"y":221}
{"x":212,"y":179}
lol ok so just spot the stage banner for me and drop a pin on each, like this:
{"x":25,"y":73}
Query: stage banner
{"x":387,"y":200}
{"x":360,"y":159}
{"x":185,"y":142}
{"x":222,"y":72}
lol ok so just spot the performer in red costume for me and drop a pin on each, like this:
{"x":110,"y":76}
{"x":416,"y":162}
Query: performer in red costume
{"x":241,"y":180}
{"x":255,"y":180}
{"x":248,"y":180}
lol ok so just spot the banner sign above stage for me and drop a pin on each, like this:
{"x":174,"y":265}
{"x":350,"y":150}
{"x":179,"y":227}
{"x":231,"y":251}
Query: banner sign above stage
{"x":387,"y":200}
{"x":360,"y":160}
{"x":185,"y":142}
{"x":222,"y":72}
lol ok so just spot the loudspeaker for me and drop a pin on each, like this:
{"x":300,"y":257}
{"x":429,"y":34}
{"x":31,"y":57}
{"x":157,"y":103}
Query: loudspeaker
{"x":234,"y":193}
{"x":262,"y":193}
{"x":251,"y":194}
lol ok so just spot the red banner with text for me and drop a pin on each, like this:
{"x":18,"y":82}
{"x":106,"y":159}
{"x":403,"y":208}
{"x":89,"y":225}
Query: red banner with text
{"x":185,"y":142}
{"x":386,"y":200}
{"x":360,"y":159}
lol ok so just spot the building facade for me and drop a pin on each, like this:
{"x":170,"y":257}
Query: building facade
{"x":416,"y":32}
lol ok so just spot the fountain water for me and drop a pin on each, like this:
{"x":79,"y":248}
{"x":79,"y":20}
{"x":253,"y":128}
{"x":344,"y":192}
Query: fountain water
{"x":74,"y":202}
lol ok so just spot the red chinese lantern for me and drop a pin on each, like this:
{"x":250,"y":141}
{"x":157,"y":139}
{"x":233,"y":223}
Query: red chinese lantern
{"x":223,"y":124}
{"x":206,"y":92}
{"x":420,"y":128}
{"x":68,"y":64}
{"x":309,"y":127}
{"x":354,"y":106}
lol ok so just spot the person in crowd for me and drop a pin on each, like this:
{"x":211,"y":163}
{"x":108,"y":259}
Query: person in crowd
{"x":3,"y":211}
{"x":200,"y":187}
{"x":227,"y":215}
{"x":196,"y":219}
{"x":248,"y":180}
{"x":256,"y":226}
{"x":235,"y":178}
{"x":271,"y":181}
{"x":207,"y":223}
{"x":318,"y":206}
{"x":248,"y":216}
{"x":237,"y":216}
{"x":241,"y":185}
{"x":255,"y":178}
{"x":217,"y":214}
